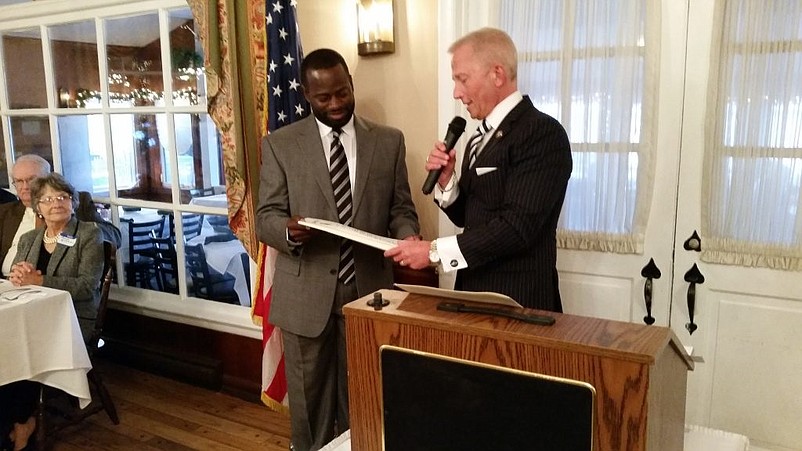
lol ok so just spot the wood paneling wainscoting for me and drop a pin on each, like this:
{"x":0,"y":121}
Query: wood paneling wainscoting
{"x":203,"y":357}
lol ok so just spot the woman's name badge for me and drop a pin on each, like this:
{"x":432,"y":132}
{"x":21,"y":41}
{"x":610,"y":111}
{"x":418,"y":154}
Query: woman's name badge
{"x":67,"y":240}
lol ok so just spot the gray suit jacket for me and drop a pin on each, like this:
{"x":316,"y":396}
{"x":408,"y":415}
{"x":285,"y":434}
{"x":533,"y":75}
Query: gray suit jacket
{"x":76,"y":269}
{"x":295,"y":181}
{"x":10,"y":217}
{"x":510,"y":213}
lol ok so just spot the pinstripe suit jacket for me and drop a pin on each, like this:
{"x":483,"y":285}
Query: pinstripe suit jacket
{"x":295,"y":180}
{"x":510,"y":214}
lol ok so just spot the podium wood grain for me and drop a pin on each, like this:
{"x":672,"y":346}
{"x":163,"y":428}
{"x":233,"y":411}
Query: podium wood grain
{"x":639,"y":372}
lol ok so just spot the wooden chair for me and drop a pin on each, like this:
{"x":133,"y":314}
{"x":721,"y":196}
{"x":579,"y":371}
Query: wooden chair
{"x":53,"y":416}
{"x":166,"y":262}
{"x":206,"y":282}
{"x":191,"y":223}
{"x":140,"y":268}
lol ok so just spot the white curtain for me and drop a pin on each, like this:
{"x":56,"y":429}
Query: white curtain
{"x":592,"y":64}
{"x":753,"y":152}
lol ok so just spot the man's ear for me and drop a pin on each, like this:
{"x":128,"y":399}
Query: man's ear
{"x":499,"y":75}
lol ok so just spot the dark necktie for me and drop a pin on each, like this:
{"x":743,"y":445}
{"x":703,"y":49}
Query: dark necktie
{"x":341,"y":183}
{"x":475,"y":142}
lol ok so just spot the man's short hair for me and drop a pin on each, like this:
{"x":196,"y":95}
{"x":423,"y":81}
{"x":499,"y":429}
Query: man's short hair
{"x":321,"y":59}
{"x":44,"y":165}
{"x":491,"y":46}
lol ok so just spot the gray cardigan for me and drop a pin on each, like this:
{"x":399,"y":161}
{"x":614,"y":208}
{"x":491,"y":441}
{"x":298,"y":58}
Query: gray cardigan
{"x":76,"y":269}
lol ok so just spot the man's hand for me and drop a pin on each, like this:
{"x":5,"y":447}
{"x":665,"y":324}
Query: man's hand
{"x":442,"y":158}
{"x":412,"y":253}
{"x":298,"y":233}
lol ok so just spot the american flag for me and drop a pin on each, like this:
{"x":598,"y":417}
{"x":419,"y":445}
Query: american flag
{"x":286,"y":104}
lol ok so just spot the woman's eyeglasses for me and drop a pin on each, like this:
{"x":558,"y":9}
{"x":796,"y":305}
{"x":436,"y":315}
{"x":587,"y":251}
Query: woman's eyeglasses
{"x":50,"y":199}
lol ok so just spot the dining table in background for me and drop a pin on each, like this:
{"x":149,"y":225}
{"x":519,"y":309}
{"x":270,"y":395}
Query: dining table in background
{"x":41,"y":341}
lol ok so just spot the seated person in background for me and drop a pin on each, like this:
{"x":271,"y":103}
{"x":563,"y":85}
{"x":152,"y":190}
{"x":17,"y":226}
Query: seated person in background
{"x":66,"y":254}
{"x":17,"y":217}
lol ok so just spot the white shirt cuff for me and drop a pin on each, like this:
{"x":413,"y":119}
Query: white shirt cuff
{"x":451,"y":258}
{"x":446,"y":197}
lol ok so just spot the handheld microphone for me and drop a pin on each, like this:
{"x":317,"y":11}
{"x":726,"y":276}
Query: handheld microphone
{"x":455,"y":129}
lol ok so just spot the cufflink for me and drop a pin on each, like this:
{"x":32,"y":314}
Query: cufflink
{"x":454,"y":263}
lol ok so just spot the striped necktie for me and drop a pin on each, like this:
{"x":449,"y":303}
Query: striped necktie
{"x":341,"y":183}
{"x":476,"y":142}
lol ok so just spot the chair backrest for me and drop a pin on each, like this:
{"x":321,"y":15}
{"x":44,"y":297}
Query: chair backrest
{"x":198,"y":270}
{"x":191,"y":223}
{"x":166,"y":263}
{"x":110,"y":254}
{"x":140,"y":237}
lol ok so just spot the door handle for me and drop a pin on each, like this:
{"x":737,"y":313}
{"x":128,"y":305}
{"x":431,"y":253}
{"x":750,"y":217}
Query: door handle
{"x":693,"y":277}
{"x":693,"y":243}
{"x":650,"y":272}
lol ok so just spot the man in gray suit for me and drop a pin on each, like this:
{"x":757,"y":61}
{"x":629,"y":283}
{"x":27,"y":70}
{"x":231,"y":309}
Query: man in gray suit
{"x":311,"y":283}
{"x":513,"y":181}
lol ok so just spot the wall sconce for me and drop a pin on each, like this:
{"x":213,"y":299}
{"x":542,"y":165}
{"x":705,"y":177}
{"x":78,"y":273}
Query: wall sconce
{"x":375,"y":23}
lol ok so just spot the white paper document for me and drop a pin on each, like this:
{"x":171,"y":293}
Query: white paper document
{"x":486,"y":297}
{"x":360,"y":236}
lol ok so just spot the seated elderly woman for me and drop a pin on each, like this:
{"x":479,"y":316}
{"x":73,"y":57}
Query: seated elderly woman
{"x":66,"y":254}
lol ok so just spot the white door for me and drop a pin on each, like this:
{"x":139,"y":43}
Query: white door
{"x":747,"y":322}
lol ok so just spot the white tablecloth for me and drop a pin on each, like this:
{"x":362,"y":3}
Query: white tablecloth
{"x":216,"y":200}
{"x":40,"y":340}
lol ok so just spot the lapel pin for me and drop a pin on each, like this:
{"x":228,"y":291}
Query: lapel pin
{"x":499,"y":134}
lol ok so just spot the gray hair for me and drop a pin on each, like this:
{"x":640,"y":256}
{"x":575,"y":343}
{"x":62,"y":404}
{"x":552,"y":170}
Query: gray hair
{"x":58,"y":183}
{"x":44,"y":165}
{"x":491,"y":46}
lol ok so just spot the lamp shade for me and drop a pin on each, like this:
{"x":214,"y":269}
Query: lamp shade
{"x":375,"y":22}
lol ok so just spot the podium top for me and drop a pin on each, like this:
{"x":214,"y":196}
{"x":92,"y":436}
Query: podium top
{"x":616,"y":339}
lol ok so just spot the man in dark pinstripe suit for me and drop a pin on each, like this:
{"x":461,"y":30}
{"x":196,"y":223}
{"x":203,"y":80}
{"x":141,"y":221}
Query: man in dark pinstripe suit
{"x":512,"y":184}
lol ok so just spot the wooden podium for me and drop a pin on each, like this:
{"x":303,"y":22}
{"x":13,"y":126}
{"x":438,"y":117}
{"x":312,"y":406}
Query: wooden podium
{"x":639,"y":372}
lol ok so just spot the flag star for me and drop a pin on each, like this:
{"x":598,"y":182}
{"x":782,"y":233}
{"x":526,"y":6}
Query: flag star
{"x":293,"y":3}
{"x":294,"y":85}
{"x":282,"y":33}
{"x":281,"y":116}
{"x":299,"y":110}
{"x":277,"y":91}
{"x":277,"y":7}
{"x":269,"y":19}
{"x":288,"y":59}
{"x":273,"y":66}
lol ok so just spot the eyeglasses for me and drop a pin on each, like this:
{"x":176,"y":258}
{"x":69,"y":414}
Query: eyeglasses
{"x":20,"y":182}
{"x":49,"y":200}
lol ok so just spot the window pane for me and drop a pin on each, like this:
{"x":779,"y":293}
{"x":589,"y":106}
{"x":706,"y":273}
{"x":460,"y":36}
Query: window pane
{"x":83,"y":147}
{"x":137,"y":141}
{"x":217,"y":265}
{"x":134,"y":59}
{"x":200,"y":163}
{"x":25,"y":71}
{"x":75,"y":69}
{"x":189,"y":81}
{"x":139,"y":226}
{"x":31,"y":135}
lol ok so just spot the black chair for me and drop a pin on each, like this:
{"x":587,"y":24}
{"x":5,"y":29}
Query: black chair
{"x":53,"y":416}
{"x":206,"y":282}
{"x":191,"y":223}
{"x":140,"y":268}
{"x":202,"y":192}
{"x":166,"y":263}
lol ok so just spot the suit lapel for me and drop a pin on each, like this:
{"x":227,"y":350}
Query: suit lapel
{"x":61,"y":249}
{"x":310,"y":146}
{"x":365,"y":150}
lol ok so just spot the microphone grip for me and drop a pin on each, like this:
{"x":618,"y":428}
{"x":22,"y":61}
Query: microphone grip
{"x":431,"y":180}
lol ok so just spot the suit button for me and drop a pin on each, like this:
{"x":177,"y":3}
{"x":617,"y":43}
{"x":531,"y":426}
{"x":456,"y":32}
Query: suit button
{"x":454,"y":263}
{"x":332,"y":271}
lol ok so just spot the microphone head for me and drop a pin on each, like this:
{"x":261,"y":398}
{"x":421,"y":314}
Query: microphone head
{"x":457,"y":125}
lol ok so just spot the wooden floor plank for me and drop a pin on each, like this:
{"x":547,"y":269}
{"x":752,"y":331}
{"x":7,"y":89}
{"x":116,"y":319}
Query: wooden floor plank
{"x":158,"y":413}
